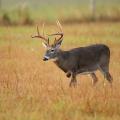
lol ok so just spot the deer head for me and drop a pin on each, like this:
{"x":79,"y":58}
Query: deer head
{"x":51,"y":50}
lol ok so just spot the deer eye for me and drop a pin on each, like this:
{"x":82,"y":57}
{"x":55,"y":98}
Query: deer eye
{"x":52,"y":50}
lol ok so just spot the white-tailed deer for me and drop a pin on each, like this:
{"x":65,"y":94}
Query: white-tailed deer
{"x":82,"y":60}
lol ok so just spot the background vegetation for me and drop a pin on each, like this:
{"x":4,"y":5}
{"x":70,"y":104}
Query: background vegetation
{"x":35,"y":11}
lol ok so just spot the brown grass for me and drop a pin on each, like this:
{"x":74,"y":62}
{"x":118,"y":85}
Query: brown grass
{"x":31,"y":89}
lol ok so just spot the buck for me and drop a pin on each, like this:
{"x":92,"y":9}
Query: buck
{"x":82,"y":60}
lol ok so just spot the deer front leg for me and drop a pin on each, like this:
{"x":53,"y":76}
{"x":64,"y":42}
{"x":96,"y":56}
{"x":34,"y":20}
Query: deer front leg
{"x":73,"y":81}
{"x":94,"y":78}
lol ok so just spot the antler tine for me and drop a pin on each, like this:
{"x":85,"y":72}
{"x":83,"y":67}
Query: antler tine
{"x":59,"y":26}
{"x":38,"y":31}
{"x":58,"y":33}
{"x":44,"y":33}
{"x":40,"y":36}
{"x":43,"y":28}
{"x":55,"y":40}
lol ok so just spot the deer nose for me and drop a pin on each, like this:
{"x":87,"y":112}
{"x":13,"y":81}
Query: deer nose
{"x":45,"y":58}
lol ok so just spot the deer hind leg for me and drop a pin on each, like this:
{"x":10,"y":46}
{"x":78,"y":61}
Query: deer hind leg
{"x":73,"y":81}
{"x":105,"y":72}
{"x":94,"y":78}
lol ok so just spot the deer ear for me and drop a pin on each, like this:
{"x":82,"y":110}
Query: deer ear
{"x":58,"y":44}
{"x":45,"y":45}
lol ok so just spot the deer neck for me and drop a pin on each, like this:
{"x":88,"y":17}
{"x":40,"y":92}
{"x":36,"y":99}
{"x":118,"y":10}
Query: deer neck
{"x":59,"y":55}
{"x":61,"y":59}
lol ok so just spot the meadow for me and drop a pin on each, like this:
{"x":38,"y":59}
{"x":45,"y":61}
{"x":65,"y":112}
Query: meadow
{"x":31,"y":89}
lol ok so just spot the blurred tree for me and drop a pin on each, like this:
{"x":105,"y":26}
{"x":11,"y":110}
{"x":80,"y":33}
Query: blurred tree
{"x":0,"y":4}
{"x":93,"y":8}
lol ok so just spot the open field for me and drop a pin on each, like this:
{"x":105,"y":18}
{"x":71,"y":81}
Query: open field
{"x":31,"y":89}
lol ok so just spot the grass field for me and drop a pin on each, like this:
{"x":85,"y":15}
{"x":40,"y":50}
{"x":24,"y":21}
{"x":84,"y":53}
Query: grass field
{"x":31,"y":89}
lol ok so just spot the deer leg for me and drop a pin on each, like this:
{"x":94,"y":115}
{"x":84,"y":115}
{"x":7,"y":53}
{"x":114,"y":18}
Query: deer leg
{"x":105,"y":71}
{"x":108,"y":76}
{"x":73,"y":81}
{"x":94,"y":78}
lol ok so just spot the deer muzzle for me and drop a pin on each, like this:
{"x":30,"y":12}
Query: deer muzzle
{"x":45,"y":58}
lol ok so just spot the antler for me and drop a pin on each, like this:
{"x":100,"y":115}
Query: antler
{"x":59,"y":33}
{"x":40,"y":36}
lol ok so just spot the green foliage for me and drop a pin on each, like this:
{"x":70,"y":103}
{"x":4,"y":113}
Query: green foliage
{"x":19,"y":16}
{"x":29,"y":11}
{"x":6,"y":19}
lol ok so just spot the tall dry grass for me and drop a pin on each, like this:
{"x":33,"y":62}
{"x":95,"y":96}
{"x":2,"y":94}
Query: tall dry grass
{"x":31,"y":89}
